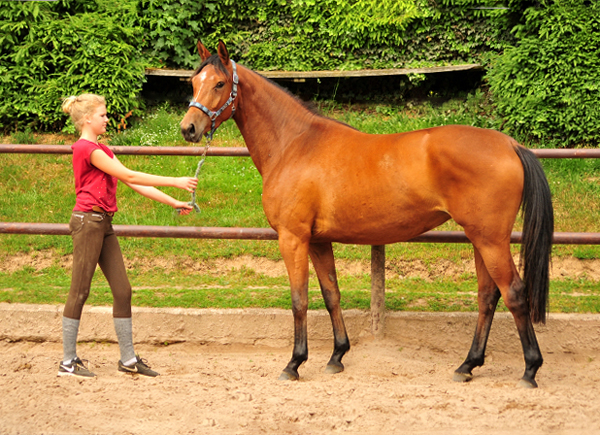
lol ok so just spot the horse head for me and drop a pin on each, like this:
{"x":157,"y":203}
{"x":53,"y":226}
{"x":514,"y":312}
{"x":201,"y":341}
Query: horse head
{"x":214,"y":90}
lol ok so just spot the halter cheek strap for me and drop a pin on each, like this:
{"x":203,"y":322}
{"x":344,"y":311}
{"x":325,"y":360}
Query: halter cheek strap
{"x":214,"y":115}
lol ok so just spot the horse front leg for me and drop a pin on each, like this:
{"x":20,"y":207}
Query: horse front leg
{"x":321,"y":255}
{"x":295,"y":256}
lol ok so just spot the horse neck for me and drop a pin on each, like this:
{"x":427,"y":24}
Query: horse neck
{"x":268,"y":118}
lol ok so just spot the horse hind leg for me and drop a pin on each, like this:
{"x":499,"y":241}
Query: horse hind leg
{"x":322,"y":257}
{"x":503,"y":271}
{"x":487,"y":299}
{"x":515,"y":299}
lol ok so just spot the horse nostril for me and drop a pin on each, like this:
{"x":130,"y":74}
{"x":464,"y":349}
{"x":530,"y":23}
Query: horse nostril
{"x":188,"y":131}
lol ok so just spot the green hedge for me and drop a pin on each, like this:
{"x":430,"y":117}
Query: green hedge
{"x":325,"y":34}
{"x":50,"y":50}
{"x":548,"y":85}
{"x":544,"y":74}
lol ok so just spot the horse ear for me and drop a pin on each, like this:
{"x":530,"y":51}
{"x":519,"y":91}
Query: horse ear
{"x":223,"y":53}
{"x":203,"y":52}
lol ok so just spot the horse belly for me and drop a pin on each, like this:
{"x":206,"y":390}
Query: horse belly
{"x":378,"y":225}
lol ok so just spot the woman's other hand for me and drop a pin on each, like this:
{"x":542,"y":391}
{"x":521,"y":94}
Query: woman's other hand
{"x":186,"y":183}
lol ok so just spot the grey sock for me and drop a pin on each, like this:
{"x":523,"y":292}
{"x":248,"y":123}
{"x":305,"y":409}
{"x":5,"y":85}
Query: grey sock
{"x":124,"y":330}
{"x":70,"y":328}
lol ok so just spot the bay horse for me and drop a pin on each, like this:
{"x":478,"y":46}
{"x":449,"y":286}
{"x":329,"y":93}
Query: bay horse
{"x":324,"y":182}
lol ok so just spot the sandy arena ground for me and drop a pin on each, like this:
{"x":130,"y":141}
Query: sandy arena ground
{"x":399,"y":384}
{"x":219,"y":371}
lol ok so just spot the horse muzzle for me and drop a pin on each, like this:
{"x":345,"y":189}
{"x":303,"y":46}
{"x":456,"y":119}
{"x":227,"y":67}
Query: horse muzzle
{"x":191,"y":131}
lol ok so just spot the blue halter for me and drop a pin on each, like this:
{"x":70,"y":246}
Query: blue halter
{"x":214,"y":115}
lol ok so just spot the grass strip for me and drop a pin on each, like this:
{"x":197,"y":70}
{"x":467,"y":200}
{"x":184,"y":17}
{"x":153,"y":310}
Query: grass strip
{"x":245,"y":289}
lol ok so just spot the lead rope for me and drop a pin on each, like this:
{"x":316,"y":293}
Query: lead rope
{"x":200,"y":163}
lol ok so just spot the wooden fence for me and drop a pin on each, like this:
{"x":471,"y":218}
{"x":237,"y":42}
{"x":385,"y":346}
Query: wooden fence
{"x":377,"y":252}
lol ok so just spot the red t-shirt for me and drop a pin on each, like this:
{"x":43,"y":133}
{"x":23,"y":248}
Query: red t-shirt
{"x":92,"y":186}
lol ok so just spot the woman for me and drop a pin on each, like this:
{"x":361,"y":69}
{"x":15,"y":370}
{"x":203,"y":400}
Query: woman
{"x":96,"y":171}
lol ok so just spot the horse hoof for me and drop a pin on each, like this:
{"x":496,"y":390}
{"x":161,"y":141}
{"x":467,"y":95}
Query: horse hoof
{"x":462,"y":377}
{"x":332,"y":369}
{"x":287,"y":376}
{"x":524,"y":383}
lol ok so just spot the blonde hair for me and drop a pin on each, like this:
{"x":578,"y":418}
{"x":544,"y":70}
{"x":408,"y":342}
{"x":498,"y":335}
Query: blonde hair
{"x":81,"y":106}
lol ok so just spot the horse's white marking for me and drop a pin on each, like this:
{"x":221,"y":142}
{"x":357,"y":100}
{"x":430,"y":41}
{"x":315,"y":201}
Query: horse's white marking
{"x":202,"y":77}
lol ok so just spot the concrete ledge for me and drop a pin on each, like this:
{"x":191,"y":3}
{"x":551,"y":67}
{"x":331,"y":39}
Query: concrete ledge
{"x":563,"y":333}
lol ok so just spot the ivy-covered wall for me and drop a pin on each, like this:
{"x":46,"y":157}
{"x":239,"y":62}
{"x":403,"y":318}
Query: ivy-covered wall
{"x":304,"y":35}
{"x":50,"y":50}
{"x":542,"y":56}
{"x":547,"y":86}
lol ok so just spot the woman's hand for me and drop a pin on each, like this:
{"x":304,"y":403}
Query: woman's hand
{"x":183,"y":207}
{"x":186,"y":183}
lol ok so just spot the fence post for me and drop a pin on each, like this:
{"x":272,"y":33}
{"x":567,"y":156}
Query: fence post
{"x":377,"y":290}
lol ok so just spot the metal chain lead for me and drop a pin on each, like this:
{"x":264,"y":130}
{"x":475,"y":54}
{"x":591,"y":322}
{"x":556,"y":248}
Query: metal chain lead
{"x":200,"y":163}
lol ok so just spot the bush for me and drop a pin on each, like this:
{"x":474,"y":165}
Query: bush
{"x":49,"y":51}
{"x":545,"y":83}
{"x":547,"y":86}
{"x":324,"y":34}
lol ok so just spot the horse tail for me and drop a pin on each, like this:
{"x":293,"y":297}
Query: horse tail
{"x":538,"y":229}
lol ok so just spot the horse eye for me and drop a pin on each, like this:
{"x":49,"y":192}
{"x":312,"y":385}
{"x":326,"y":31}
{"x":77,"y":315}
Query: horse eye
{"x":220,"y":85}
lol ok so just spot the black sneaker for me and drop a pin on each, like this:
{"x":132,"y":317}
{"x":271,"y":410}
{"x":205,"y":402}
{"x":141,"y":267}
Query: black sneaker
{"x":75,"y":368}
{"x":140,"y":367}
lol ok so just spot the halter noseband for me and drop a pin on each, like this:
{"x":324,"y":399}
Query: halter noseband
{"x":214,"y":115}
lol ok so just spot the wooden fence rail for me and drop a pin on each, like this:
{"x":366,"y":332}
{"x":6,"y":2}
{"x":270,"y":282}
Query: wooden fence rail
{"x":303,"y":75}
{"x":549,"y":153}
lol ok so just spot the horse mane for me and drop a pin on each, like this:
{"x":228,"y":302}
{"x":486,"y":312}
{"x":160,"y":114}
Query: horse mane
{"x":215,"y":61}
{"x":310,"y":106}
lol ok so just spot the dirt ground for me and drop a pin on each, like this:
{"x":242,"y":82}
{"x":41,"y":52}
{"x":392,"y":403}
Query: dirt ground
{"x":561,"y":267}
{"x":387,"y":387}
{"x":390,"y":385}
